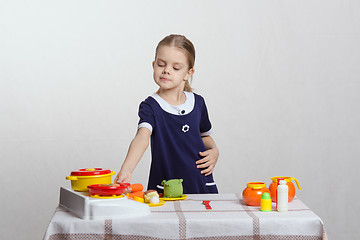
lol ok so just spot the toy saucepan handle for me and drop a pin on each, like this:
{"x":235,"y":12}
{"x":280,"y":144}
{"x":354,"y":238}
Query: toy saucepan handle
{"x":297,"y":182}
{"x":71,"y":178}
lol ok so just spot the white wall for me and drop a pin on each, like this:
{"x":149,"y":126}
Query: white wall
{"x":281,"y":81}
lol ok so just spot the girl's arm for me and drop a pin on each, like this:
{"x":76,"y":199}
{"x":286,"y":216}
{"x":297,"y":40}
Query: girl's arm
{"x":136,"y":150}
{"x":210,"y":156}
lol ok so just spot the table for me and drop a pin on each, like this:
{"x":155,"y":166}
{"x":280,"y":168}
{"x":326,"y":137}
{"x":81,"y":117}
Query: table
{"x":230,"y":218}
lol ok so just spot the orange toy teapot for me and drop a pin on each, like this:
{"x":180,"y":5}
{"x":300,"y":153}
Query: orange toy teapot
{"x":273,"y":187}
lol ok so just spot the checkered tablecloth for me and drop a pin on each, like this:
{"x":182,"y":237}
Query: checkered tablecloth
{"x":229,"y":219}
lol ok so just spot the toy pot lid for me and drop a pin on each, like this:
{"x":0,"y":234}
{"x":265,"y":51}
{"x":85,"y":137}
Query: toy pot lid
{"x":287,"y":179}
{"x":90,"y":172}
{"x":256,"y":185}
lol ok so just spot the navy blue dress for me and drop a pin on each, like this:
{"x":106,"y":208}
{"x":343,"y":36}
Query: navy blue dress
{"x":176,"y":141}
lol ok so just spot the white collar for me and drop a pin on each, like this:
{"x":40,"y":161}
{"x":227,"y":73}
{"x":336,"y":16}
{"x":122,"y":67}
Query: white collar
{"x":182,"y":109}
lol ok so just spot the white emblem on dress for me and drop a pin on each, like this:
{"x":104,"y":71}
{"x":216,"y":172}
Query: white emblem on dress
{"x":185,"y":128}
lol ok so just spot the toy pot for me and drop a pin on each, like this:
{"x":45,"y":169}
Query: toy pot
{"x":253,"y":192}
{"x":82,"y":178}
{"x":273,"y":187}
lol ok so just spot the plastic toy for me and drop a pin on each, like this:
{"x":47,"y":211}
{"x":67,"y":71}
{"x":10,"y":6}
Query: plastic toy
{"x":149,"y":196}
{"x":207,"y":205}
{"x":172,"y":188}
{"x":82,"y":178}
{"x":138,"y":199}
{"x":265,"y":204}
{"x":107,"y":189}
{"x":183,"y":197}
{"x":273,"y":187}
{"x":282,"y":197}
{"x":154,"y":200}
{"x":253,"y":192}
{"x":86,"y":207}
{"x":136,"y":191}
{"x":136,"y":187}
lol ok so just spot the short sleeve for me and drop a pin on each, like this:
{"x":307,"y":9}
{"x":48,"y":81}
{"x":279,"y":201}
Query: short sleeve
{"x":146,"y":116}
{"x":205,"y":124}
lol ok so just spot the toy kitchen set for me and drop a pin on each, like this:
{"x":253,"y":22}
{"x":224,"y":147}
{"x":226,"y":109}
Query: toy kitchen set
{"x":94,"y":196}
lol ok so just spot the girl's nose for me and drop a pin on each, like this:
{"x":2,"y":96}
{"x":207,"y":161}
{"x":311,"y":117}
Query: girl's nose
{"x":165,"y":70}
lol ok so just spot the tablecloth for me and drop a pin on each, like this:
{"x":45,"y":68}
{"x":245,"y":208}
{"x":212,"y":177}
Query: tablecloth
{"x":230,"y":218}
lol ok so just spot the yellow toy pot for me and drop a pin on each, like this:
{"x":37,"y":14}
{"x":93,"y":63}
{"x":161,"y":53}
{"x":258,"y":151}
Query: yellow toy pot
{"x":82,"y":178}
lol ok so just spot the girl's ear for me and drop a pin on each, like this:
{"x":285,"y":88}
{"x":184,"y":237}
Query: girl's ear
{"x":153,"y":64}
{"x":189,"y":74}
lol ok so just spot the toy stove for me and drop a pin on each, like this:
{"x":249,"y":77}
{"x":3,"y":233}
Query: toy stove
{"x":84,"y":206}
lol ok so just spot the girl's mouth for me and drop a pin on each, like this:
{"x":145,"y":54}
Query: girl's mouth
{"x":164,"y":79}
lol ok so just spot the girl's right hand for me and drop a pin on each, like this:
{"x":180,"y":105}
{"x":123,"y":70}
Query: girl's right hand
{"x":123,"y":177}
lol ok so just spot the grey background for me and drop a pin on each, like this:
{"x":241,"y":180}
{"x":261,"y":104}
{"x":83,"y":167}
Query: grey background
{"x":280,"y":78}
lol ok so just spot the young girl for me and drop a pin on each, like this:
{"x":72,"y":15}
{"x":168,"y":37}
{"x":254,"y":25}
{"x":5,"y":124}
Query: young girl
{"x":176,"y":120}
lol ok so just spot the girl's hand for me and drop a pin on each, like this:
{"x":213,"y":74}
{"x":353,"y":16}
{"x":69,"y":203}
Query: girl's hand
{"x":208,"y":161}
{"x":123,"y":177}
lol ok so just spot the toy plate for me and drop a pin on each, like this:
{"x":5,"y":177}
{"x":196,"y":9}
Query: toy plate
{"x":106,"y":197}
{"x":173,"y":199}
{"x":161,"y":202}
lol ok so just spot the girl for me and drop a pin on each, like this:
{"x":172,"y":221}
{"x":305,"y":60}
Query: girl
{"x":176,"y":120}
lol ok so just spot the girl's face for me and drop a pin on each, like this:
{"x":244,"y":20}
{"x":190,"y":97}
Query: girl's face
{"x":171,"y":68}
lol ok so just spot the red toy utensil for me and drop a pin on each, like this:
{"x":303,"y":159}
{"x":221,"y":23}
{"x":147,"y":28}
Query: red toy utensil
{"x":207,"y":205}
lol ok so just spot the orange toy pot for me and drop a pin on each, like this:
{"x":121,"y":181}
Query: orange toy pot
{"x":253,"y":192}
{"x":274,"y":183}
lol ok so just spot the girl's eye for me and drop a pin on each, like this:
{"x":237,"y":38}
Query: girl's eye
{"x":176,"y":69}
{"x":161,"y":65}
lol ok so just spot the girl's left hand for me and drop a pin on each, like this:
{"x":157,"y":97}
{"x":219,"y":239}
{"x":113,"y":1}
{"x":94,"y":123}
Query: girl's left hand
{"x":208,"y":161}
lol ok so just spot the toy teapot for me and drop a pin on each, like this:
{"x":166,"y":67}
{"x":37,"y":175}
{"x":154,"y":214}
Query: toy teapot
{"x":173,"y":188}
{"x":273,"y":187}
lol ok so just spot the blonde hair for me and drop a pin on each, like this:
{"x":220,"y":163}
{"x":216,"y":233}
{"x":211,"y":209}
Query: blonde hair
{"x":181,"y":42}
